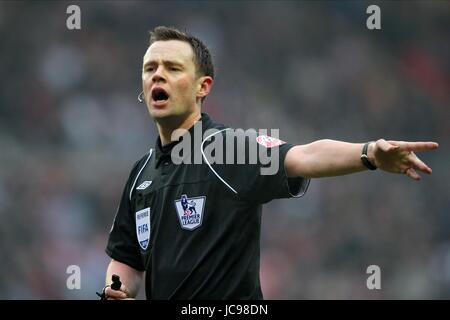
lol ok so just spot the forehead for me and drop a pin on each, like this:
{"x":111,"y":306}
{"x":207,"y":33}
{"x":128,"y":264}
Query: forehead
{"x":173,"y":50}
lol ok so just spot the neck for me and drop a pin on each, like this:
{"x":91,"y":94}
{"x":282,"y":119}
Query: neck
{"x":166,"y":128}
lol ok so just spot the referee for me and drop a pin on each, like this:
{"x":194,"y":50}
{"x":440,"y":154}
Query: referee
{"x":194,"y":227}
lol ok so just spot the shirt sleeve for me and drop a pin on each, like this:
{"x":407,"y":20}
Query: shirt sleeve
{"x":262,"y":176}
{"x":122,"y":242}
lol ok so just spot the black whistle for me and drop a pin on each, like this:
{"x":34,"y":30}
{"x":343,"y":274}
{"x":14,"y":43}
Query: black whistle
{"x":116,"y":283}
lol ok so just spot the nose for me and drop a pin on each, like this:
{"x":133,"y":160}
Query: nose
{"x":158,"y":75}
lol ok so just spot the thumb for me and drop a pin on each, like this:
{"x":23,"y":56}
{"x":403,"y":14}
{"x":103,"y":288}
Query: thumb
{"x":124,"y":289}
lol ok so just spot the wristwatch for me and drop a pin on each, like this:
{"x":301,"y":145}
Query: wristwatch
{"x":365,"y":158}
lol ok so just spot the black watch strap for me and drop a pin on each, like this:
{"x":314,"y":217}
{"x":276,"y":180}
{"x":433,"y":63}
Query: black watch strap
{"x":365,"y":158}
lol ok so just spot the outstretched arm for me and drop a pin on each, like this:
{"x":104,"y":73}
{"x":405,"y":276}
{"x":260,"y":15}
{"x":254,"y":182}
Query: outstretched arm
{"x":326,"y":158}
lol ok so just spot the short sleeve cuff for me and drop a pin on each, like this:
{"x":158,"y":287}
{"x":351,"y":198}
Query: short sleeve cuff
{"x":128,"y":261}
{"x":297,"y":186}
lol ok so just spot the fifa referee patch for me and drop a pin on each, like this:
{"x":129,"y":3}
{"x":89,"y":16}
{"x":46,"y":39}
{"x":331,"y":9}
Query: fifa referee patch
{"x":190,"y":211}
{"x":143,"y":227}
{"x":269,"y":142}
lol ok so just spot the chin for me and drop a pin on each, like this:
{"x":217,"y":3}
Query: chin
{"x":165,"y":117}
{"x":160,"y":113}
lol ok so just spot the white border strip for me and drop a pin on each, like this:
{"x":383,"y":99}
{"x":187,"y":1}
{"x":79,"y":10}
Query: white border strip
{"x":209,"y":165}
{"x":139,"y":173}
{"x":304,"y":186}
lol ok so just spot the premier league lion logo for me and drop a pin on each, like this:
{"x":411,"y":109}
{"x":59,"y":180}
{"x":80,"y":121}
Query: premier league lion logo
{"x":188,"y":207}
{"x":190,"y":211}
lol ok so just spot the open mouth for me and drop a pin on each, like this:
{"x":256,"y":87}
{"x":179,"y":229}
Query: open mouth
{"x":159,"y":95}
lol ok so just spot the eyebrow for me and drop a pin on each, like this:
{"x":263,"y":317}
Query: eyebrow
{"x":165,"y":62}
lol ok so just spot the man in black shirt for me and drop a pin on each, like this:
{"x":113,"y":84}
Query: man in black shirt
{"x":190,"y":213}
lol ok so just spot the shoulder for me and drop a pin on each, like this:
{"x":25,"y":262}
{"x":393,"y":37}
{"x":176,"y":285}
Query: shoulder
{"x":213,"y":131}
{"x":223,"y":130}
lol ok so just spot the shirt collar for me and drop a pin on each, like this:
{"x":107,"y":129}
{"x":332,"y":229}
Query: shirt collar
{"x":164,"y":152}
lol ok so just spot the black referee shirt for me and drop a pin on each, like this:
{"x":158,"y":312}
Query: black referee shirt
{"x":195,"y":228}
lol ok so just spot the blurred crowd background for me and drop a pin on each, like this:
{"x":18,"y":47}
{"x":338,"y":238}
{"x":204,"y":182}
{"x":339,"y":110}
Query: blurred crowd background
{"x":71,"y":128}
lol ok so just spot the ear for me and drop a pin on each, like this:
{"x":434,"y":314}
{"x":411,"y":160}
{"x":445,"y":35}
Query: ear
{"x":204,"y":85}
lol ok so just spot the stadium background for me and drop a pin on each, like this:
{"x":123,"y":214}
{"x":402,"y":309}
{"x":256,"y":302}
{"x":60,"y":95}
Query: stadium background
{"x":70,"y":129}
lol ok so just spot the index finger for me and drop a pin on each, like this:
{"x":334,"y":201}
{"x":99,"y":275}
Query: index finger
{"x":415,"y":146}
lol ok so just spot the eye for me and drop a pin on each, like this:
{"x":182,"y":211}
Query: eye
{"x":174,"y":69}
{"x":149,"y":69}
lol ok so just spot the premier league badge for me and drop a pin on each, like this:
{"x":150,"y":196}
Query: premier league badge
{"x":190,"y":211}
